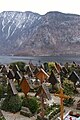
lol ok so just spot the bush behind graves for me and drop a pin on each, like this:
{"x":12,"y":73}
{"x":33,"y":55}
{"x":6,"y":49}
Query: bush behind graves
{"x":2,"y":90}
{"x":12,"y":104}
{"x":31,"y":103}
{"x":68,"y":90}
{"x":19,"y":64}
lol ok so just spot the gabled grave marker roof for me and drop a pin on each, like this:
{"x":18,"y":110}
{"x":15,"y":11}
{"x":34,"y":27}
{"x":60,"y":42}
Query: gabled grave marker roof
{"x":29,"y":71}
{"x":11,"y":83}
{"x":10,"y":74}
{"x":42,"y":75}
{"x":52,"y":79}
{"x":58,"y":66}
{"x":25,"y":85}
{"x":74,"y":77}
{"x":4,"y":69}
{"x":18,"y":75}
{"x":36,"y":70}
{"x":43,"y":92}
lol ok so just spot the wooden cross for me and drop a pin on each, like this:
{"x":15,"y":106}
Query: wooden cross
{"x":62,"y":97}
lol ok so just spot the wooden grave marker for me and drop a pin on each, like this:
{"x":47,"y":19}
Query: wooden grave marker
{"x":25,"y":85}
{"x":10,"y":74}
{"x":12,"y":86}
{"x":29,"y":71}
{"x":36,"y":70}
{"x":18,"y":76}
{"x":58,"y":67}
{"x":52,"y":79}
{"x":74,"y":77}
{"x":43,"y":92}
{"x":42,"y":75}
{"x":62,"y":97}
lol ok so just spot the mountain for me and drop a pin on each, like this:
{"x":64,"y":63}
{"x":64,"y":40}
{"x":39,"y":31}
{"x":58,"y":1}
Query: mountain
{"x":28,"y":33}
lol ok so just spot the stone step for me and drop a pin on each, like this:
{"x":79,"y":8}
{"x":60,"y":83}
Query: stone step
{"x":25,"y":108}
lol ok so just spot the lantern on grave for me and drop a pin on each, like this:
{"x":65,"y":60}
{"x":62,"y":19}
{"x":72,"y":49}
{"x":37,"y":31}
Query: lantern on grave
{"x":42,"y":75}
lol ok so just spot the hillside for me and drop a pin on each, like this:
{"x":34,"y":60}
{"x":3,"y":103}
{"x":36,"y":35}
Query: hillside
{"x":28,"y":33}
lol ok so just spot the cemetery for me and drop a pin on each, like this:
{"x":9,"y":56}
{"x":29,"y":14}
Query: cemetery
{"x":44,"y":92}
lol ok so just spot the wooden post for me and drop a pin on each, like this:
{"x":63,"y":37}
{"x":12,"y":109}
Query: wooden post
{"x":62,"y":97}
{"x":42,"y":105}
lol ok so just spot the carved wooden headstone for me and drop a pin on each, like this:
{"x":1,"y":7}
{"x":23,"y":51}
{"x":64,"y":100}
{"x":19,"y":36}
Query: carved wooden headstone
{"x":25,"y":85}
{"x":42,"y":75}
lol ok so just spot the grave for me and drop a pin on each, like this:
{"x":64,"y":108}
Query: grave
{"x":71,"y":115}
{"x":62,"y":97}
{"x":74,"y":77}
{"x":10,"y":74}
{"x":53,"y":80}
{"x":26,"y":85}
{"x":43,"y":93}
{"x":42,"y":75}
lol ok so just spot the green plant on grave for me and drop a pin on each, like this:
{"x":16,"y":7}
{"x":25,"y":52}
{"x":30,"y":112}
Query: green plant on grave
{"x":68,"y":90}
{"x":12,"y":104}
{"x":52,"y":110}
{"x":31,"y":103}
{"x":19,"y":64}
{"x":2,"y":90}
{"x":2,"y":118}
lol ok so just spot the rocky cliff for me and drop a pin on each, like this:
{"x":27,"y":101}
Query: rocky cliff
{"x":28,"y":33}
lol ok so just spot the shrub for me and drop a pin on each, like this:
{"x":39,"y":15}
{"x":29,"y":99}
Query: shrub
{"x":2,"y":90}
{"x":68,"y":90}
{"x":19,"y":64}
{"x":31,"y":103}
{"x":4,"y":104}
{"x":12,"y":104}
